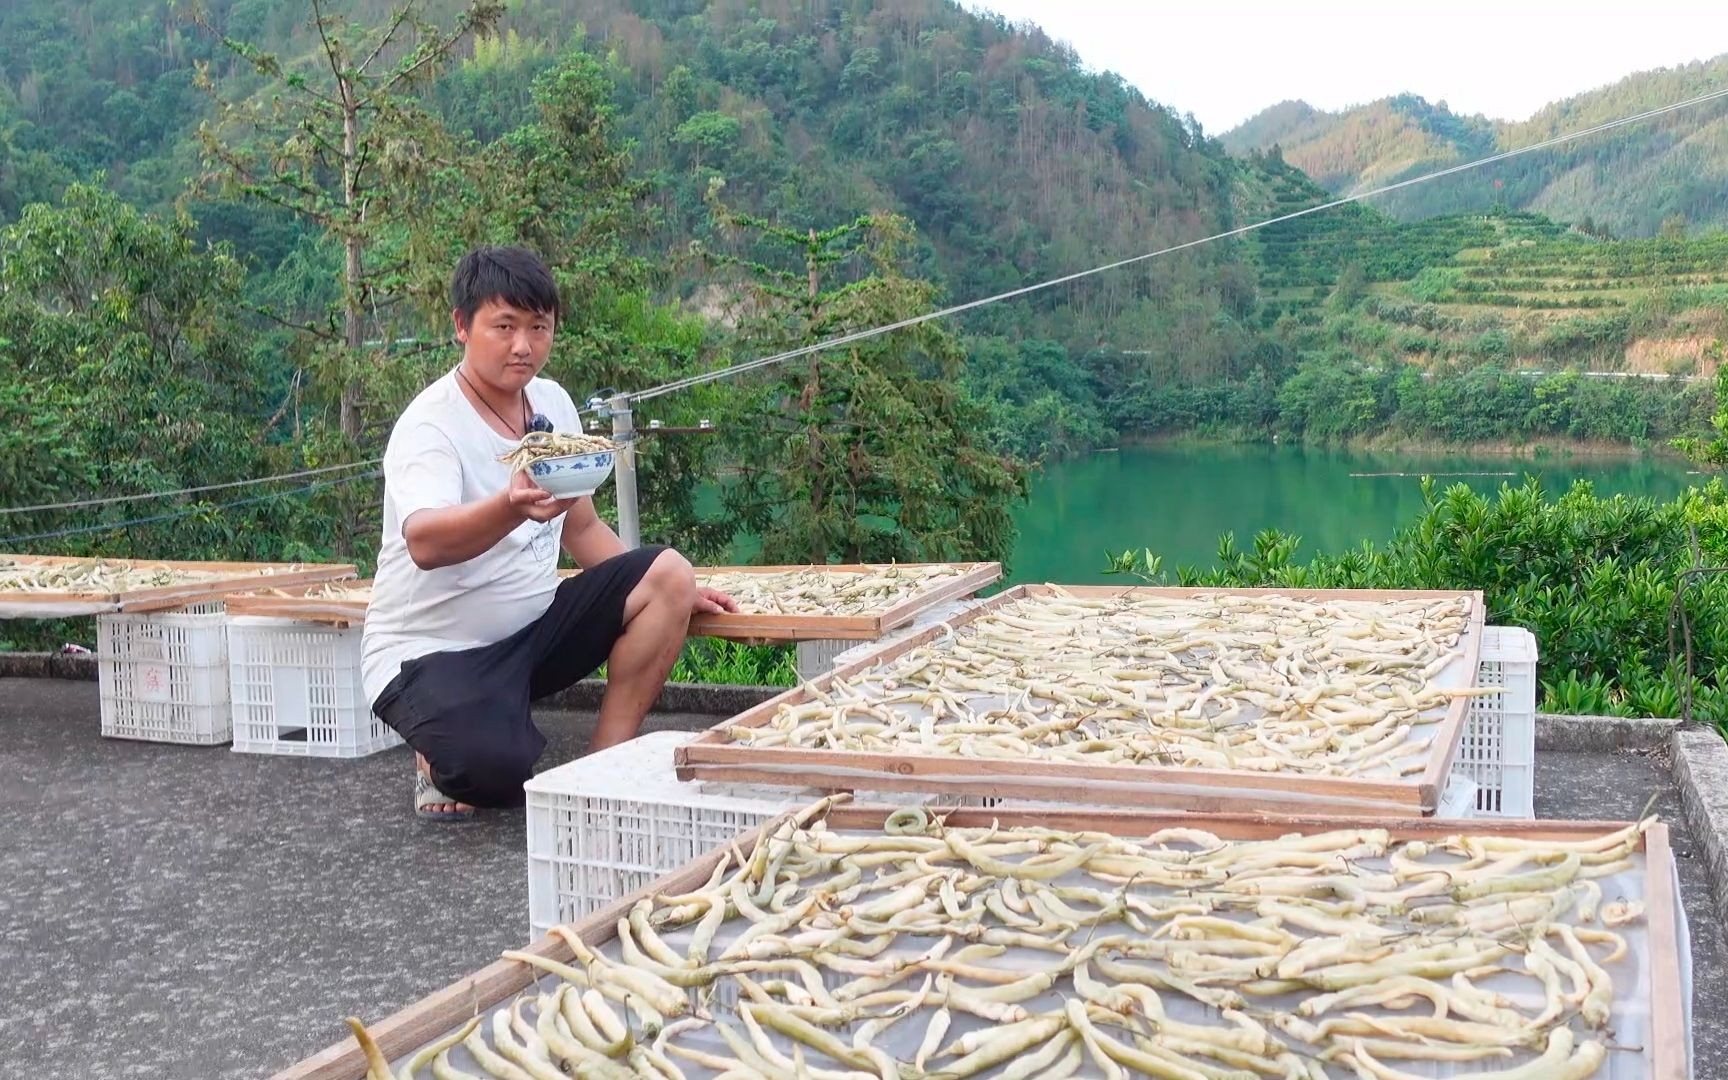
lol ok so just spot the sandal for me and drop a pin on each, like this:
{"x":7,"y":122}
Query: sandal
{"x":426,"y":795}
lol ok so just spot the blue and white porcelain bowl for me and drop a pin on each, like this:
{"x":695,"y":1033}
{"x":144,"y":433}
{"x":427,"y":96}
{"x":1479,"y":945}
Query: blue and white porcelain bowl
{"x":573,"y":474}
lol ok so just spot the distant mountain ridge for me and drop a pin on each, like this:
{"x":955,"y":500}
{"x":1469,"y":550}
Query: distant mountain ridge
{"x":1630,"y":181}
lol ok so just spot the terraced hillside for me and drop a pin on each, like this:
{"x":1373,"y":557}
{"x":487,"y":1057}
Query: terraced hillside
{"x":1568,"y":272}
{"x":1498,"y":287}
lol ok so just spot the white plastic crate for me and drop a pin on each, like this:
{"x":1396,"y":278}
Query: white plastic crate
{"x":1458,"y":801}
{"x":1498,"y":750}
{"x":296,"y":690}
{"x":163,"y":676}
{"x":605,"y":825}
{"x":816,"y":658}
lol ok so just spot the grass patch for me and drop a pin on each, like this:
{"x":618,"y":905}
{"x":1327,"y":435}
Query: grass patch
{"x":729,"y":663}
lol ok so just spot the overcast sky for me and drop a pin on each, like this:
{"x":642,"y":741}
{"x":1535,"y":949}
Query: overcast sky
{"x":1225,"y":60}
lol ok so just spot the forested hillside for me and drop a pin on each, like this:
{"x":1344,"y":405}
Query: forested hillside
{"x":1669,"y":171}
{"x":1014,"y":162}
{"x":669,"y":156}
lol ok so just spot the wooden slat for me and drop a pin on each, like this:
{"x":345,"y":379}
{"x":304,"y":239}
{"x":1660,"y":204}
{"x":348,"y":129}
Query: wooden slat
{"x":1209,"y":790}
{"x":440,"y":1012}
{"x":779,"y":627}
{"x":1667,"y":1002}
{"x":712,"y":756}
{"x":1229,"y":826}
{"x":1451,"y":731}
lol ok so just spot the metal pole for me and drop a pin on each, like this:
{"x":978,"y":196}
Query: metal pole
{"x":624,"y":472}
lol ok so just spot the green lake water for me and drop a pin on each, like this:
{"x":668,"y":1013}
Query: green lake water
{"x":1179,"y":499}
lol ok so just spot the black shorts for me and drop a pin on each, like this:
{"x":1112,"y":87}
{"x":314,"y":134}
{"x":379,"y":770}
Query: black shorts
{"x":467,"y":710}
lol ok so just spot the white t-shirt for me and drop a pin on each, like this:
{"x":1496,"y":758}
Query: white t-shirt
{"x":442,"y":453}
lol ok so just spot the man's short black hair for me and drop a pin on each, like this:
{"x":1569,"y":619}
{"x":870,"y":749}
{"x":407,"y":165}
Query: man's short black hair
{"x":513,"y":275}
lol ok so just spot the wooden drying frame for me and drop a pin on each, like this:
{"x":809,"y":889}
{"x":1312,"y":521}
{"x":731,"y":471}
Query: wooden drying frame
{"x":776,"y":627}
{"x":444,"y":1010}
{"x":756,"y":628}
{"x":712,"y":756}
{"x":165,"y":597}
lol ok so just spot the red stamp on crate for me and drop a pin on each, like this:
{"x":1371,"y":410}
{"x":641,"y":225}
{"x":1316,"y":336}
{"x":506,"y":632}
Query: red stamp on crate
{"x":153,"y":682}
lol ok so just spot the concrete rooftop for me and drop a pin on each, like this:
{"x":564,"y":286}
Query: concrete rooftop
{"x":195,"y":913}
